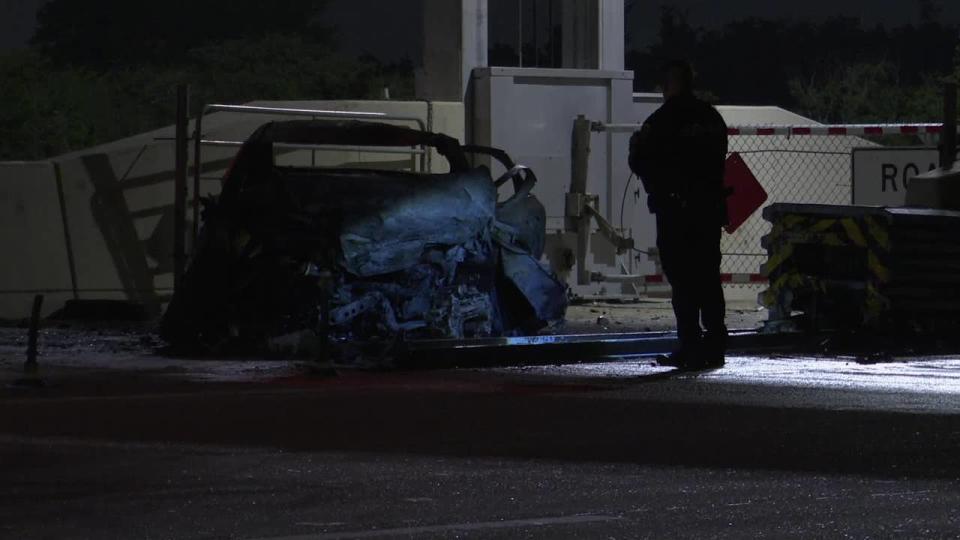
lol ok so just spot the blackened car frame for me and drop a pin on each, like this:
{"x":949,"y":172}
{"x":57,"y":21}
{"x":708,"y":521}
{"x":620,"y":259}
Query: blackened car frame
{"x":357,"y":260}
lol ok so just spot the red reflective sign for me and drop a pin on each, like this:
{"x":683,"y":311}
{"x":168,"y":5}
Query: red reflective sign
{"x":747,"y":193}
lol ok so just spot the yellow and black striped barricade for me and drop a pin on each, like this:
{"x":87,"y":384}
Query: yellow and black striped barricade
{"x":855,"y":266}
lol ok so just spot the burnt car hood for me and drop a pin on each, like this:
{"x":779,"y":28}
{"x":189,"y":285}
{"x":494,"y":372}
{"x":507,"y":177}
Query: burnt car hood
{"x":390,"y":223}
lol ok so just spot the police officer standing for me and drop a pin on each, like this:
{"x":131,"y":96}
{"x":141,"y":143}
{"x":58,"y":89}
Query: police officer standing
{"x":679,"y":155}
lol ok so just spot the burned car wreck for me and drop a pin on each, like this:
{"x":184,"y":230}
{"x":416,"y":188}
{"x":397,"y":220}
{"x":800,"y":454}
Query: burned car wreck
{"x":356,"y":261}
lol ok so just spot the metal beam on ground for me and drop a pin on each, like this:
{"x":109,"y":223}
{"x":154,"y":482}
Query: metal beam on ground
{"x":563,"y":349}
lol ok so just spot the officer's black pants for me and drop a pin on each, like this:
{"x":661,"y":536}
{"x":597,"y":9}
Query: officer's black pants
{"x":689,"y":244}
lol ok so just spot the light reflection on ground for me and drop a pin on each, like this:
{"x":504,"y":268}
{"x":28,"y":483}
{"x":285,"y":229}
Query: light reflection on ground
{"x":926,"y":374}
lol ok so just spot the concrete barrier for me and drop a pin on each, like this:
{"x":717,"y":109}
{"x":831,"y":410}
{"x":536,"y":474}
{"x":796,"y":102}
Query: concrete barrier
{"x":32,"y":233}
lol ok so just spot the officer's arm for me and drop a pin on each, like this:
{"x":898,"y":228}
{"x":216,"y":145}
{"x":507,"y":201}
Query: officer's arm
{"x":643,"y":155}
{"x":723,"y":143}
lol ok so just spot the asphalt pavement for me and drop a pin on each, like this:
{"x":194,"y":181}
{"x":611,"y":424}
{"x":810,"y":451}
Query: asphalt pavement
{"x":123,"y":444}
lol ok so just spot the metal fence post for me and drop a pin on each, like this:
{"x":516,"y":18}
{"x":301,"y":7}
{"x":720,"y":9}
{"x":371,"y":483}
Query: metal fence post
{"x":31,"y":369}
{"x":948,"y":144}
{"x":577,"y":219}
{"x":30,"y":366}
{"x":180,"y":187}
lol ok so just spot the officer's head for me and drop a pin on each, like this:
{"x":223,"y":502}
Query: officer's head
{"x":676,"y":78}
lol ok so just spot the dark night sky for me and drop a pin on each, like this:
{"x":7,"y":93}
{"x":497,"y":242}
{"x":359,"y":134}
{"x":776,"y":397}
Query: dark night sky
{"x":390,"y":29}
{"x":714,"y":13}
{"x":17,"y":21}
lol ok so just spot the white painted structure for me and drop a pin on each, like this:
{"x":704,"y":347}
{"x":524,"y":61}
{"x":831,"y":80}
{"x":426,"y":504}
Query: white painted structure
{"x":529,"y":112}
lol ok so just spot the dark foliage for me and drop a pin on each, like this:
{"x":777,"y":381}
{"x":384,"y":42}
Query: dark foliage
{"x":110,"y":33}
{"x":101,"y":70}
{"x":836,"y":70}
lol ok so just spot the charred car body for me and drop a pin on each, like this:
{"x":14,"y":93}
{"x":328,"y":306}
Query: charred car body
{"x":363,"y":258}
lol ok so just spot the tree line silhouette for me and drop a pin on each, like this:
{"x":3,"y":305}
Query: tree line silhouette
{"x":836,"y":70}
{"x":99,"y":70}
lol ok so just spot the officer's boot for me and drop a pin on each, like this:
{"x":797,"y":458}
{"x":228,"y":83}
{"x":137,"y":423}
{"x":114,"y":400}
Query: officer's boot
{"x":713,"y":347}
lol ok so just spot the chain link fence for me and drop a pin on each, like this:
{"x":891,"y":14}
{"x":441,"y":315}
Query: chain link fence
{"x":796,"y":168}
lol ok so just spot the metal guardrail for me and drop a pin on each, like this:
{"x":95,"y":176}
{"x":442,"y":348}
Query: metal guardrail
{"x":326,"y":147}
{"x":543,"y":350}
{"x":312,"y":113}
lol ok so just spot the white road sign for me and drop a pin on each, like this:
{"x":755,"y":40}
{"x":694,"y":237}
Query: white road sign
{"x":881,"y":175}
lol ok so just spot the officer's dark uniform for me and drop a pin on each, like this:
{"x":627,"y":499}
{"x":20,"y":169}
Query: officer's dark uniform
{"x":679,"y":155}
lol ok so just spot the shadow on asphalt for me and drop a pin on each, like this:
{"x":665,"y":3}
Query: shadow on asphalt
{"x":559,"y":423}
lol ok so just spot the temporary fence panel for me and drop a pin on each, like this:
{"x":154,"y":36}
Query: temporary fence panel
{"x":802,"y":164}
{"x":805,"y":165}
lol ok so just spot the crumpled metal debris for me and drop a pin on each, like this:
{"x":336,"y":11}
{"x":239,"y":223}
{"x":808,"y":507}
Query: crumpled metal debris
{"x":362,"y":259}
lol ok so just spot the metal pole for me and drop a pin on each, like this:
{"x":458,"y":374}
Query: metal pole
{"x":536,"y":40}
{"x":552,"y":36}
{"x":578,"y":218}
{"x":31,"y":370}
{"x":180,"y":187}
{"x":71,"y":260}
{"x":197,"y":163}
{"x":520,"y":32}
{"x":948,"y":145}
{"x":581,"y":154}
{"x":313,"y":152}
{"x":30,"y":367}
